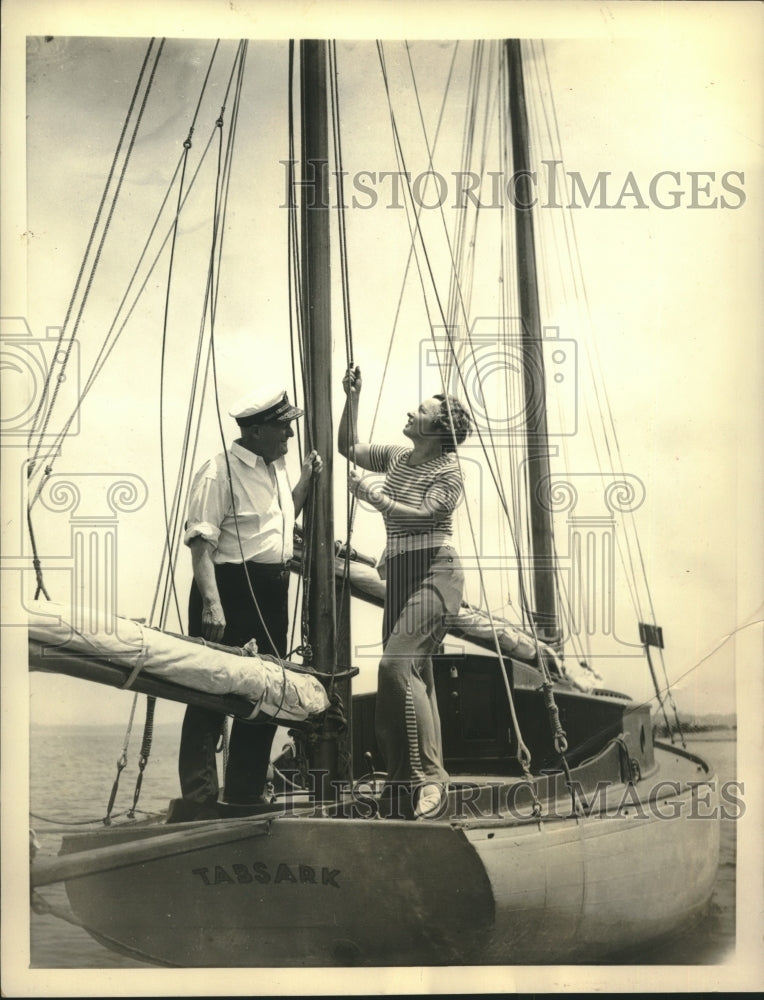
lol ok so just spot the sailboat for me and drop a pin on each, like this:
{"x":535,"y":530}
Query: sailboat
{"x":567,"y":835}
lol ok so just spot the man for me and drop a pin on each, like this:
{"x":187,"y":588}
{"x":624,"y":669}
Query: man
{"x":240,"y":527}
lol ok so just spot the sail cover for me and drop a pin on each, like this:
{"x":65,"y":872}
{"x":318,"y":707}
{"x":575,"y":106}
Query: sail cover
{"x":284,"y":692}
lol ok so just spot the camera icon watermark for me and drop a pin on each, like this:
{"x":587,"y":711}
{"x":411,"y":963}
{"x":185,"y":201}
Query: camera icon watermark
{"x":504,"y":386}
{"x":41,"y":393}
{"x":35,"y":371}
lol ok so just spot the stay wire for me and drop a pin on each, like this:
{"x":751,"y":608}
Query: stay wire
{"x":105,"y":352}
{"x":294,"y":288}
{"x":466,"y":160}
{"x":522,"y":540}
{"x":566,"y":609}
{"x":345,"y":285}
{"x":339,"y":173}
{"x":36,"y":563}
{"x":412,"y":244}
{"x":523,"y":754}
{"x":416,"y":231}
{"x":33,"y":461}
{"x":559,"y":733}
{"x":88,"y":248}
{"x":145,"y":751}
{"x":601,"y":394}
{"x":171,"y":516}
{"x":162,"y":357}
{"x":180,"y":498}
{"x":110,"y":341}
{"x":121,"y":763}
{"x":294,"y":312}
{"x":221,"y":192}
{"x":99,"y":250}
{"x":494,"y":471}
{"x":566,"y":605}
{"x":411,"y":255}
{"x":606,"y":410}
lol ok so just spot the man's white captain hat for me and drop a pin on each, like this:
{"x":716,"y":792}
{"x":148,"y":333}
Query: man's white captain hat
{"x":264,"y":406}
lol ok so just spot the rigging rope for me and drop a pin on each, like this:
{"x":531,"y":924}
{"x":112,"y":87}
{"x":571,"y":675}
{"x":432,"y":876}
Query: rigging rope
{"x":492,"y":466}
{"x":339,"y":173}
{"x":121,"y":763}
{"x":448,"y":333}
{"x":67,"y":354}
{"x":182,"y":196}
{"x":143,"y":757}
{"x":40,"y":588}
{"x":348,"y":328}
{"x":183,"y":481}
{"x":612,"y":446}
{"x":173,"y":537}
{"x":560,"y":740}
{"x":105,"y":352}
{"x":93,"y":230}
{"x":294,"y":313}
{"x":523,"y":755}
{"x":630,"y":559}
{"x":412,"y":246}
{"x":99,"y":250}
{"x":108,"y":346}
{"x":220,"y":207}
{"x":294,"y":285}
{"x":162,"y":357}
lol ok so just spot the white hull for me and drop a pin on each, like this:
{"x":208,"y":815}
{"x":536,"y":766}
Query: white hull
{"x":308,"y":890}
{"x":581,"y":890}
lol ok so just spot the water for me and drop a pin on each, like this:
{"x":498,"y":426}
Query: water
{"x":72,"y":772}
{"x":712,"y":939}
{"x":73,"y":769}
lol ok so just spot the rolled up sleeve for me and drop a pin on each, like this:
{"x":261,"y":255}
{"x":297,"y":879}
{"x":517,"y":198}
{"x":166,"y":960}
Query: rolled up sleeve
{"x":206,"y":506}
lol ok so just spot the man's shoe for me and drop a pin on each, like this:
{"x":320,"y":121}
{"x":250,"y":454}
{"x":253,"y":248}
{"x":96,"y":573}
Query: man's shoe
{"x":260,"y":804}
{"x":187,"y":811}
{"x":395,"y":801}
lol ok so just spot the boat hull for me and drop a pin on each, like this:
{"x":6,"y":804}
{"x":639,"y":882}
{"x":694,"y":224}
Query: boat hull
{"x":309,"y":890}
{"x":297,"y":892}
{"x":583,"y":891}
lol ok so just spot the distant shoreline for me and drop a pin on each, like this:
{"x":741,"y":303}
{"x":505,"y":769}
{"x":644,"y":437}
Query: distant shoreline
{"x":713,"y":734}
{"x":699,"y":732}
{"x":710,"y":735}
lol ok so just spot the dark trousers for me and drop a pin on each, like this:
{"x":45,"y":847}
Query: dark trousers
{"x":250,"y":743}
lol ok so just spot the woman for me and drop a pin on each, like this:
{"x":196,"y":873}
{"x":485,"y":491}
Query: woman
{"x":422,"y":487}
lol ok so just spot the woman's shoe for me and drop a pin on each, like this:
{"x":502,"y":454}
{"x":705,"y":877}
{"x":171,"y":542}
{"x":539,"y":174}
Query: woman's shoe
{"x":429,"y":801}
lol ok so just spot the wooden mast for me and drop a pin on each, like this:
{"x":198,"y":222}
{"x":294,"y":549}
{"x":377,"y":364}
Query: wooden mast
{"x":542,"y":528}
{"x":317,"y":340}
{"x":332,"y":745}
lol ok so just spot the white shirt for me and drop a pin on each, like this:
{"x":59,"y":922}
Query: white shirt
{"x":264,"y":524}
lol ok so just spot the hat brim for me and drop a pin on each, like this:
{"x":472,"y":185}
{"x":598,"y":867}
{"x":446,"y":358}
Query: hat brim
{"x":284,"y":418}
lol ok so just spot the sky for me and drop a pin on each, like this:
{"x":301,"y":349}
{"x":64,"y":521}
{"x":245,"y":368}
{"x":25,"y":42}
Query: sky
{"x":660,"y":285}
{"x":671,"y":296}
{"x":663,"y":307}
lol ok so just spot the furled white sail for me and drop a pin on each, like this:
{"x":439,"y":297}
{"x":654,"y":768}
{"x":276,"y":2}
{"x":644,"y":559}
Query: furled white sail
{"x":279,"y":691}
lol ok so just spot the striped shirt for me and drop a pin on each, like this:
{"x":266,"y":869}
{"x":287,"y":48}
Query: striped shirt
{"x":435,"y":485}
